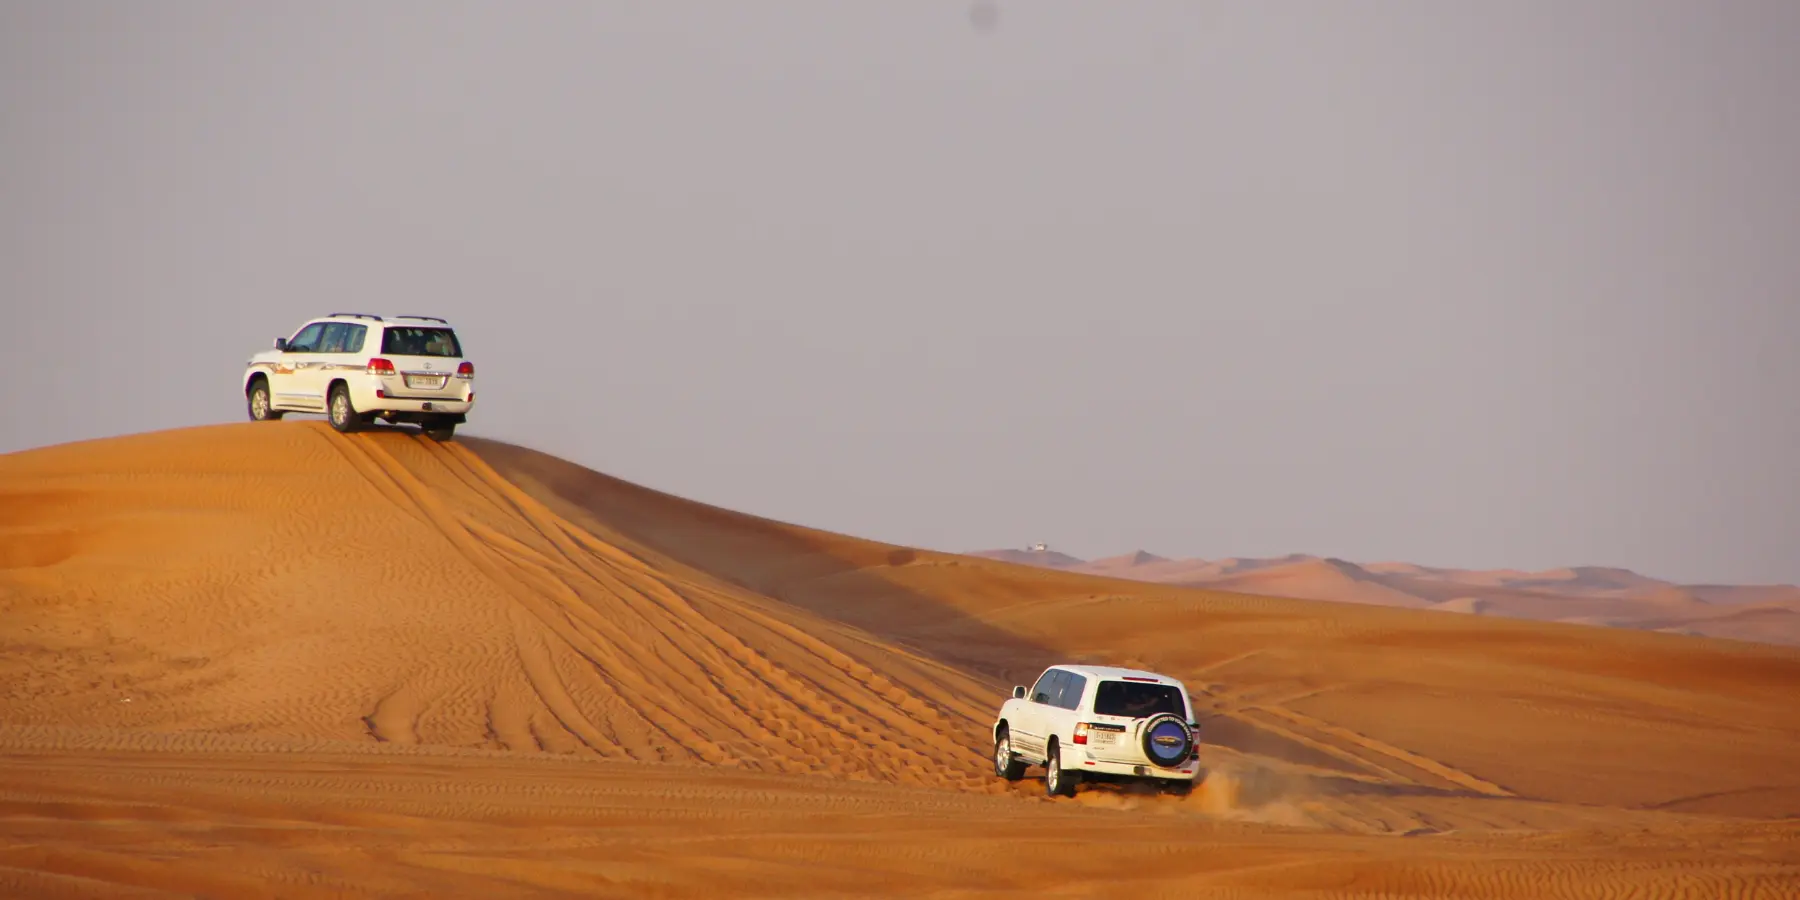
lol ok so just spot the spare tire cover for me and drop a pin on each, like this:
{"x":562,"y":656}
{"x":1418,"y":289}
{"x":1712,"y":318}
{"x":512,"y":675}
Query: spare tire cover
{"x":1167,"y":740}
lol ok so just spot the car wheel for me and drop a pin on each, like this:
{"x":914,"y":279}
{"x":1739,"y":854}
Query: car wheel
{"x":440,"y":432}
{"x":261,"y":410}
{"x":1057,"y":781}
{"x":344,"y":417}
{"x":1006,"y":765}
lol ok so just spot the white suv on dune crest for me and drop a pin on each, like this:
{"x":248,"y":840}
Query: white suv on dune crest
{"x":1099,"y":723}
{"x":357,"y":367}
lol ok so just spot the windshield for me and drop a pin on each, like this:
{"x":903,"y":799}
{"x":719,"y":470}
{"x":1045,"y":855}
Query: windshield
{"x":1137,"y":699}
{"x":411,"y":341}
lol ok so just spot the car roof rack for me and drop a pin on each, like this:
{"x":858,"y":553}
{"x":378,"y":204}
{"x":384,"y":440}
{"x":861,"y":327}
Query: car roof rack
{"x":354,"y":316}
{"x":423,"y":318}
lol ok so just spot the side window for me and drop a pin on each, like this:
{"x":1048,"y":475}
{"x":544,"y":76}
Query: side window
{"x":353,"y":343}
{"x":1045,"y":691}
{"x":307,"y":341}
{"x":333,"y":341}
{"x":1072,"y":687}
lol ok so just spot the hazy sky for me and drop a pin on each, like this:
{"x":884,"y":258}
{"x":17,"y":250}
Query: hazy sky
{"x":1494,"y":283}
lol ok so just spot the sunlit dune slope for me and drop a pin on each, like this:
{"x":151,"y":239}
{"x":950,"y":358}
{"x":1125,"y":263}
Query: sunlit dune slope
{"x":287,"y":580}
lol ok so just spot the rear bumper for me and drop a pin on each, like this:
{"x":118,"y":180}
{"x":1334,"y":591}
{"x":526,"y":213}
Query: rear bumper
{"x":411,"y":404}
{"x":1187,"y":771}
{"x":382,"y":396}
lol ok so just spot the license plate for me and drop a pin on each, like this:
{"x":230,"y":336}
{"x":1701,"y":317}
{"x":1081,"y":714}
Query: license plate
{"x":426,"y":382}
{"x":1104,"y":737}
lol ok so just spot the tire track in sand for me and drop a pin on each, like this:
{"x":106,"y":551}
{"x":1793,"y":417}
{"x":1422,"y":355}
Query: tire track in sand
{"x":680,"y":598}
{"x":1416,"y":760}
{"x":823,"y":699}
{"x":555,"y":614}
{"x":643,"y":663}
{"x":660,"y":608}
{"x":1358,"y":749}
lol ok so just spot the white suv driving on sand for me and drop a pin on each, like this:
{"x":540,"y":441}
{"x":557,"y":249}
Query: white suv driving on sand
{"x":1099,"y":723}
{"x":356,"y":368}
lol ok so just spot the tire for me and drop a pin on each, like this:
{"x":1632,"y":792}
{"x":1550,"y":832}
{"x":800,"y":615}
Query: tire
{"x":1059,"y":782}
{"x":1006,"y":765}
{"x":1167,"y":740}
{"x":257,"y":402}
{"x":440,"y":433}
{"x":344,"y":416}
{"x":1176,"y":788}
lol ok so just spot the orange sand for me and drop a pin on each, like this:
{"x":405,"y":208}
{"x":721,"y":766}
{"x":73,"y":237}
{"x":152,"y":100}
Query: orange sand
{"x":270,"y":660}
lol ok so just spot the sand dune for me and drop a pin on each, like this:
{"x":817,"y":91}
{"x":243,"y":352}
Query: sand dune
{"x":1593,"y":595}
{"x":384,"y":588}
{"x":270,"y":660}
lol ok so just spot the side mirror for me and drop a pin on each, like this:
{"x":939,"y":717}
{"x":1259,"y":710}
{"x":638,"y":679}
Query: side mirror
{"x":281,"y":344}
{"x":1018,"y":692}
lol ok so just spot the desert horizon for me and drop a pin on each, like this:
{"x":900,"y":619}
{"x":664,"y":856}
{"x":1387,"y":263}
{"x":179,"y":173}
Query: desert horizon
{"x":1610,"y":596}
{"x":267,"y":659}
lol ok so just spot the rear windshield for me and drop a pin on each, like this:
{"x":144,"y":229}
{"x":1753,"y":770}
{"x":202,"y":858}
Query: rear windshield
{"x":1137,"y":699}
{"x":410,"y":341}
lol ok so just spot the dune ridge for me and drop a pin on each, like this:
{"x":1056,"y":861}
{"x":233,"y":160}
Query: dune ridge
{"x":269,"y":659}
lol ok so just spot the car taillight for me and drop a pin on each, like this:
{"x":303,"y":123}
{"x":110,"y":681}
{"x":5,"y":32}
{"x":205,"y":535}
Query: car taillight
{"x":466,"y":370}
{"x":379,"y":366}
{"x":1081,"y":733}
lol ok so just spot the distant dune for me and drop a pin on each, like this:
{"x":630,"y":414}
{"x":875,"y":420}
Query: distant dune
{"x":268,"y":659}
{"x":1594,"y":595}
{"x":1312,"y":579}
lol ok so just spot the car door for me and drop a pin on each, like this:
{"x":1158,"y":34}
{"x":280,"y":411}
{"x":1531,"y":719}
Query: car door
{"x":289,"y":385}
{"x":1069,"y":698}
{"x":337,"y":355}
{"x":313,"y":374}
{"x":1034,"y":715}
{"x":1059,"y":719}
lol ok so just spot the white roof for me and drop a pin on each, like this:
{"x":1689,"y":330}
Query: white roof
{"x":420,"y":321}
{"x":1105,"y":672}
